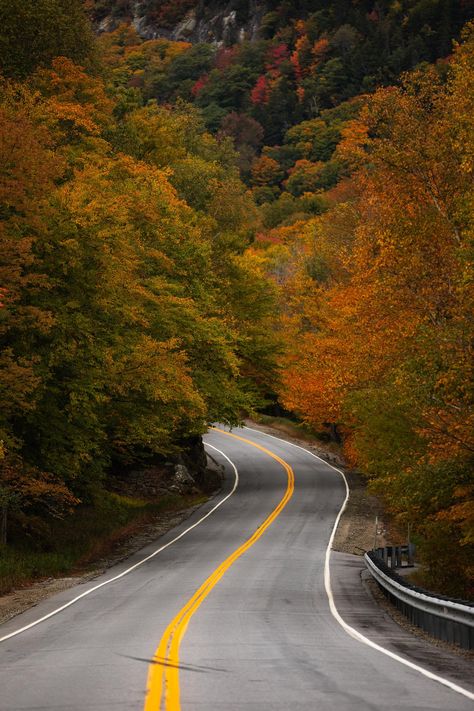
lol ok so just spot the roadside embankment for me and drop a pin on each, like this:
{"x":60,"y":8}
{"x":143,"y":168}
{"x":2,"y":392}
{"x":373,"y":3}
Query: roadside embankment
{"x":131,"y":513}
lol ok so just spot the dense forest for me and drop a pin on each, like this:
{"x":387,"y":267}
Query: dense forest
{"x":191,"y":231}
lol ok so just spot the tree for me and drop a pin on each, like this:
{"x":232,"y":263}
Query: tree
{"x":266,"y":172}
{"x":247,"y":137}
{"x":381,"y":342}
{"x":304,"y":177}
{"x":34,"y":33}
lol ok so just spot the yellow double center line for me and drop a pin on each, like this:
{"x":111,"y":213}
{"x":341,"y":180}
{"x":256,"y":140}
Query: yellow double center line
{"x":163,"y":690}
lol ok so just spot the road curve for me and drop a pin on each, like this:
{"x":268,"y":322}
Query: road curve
{"x":261,"y":638}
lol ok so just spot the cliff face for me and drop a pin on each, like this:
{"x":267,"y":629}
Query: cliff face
{"x":221,"y":23}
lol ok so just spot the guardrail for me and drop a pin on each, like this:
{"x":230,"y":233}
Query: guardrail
{"x":442,"y":617}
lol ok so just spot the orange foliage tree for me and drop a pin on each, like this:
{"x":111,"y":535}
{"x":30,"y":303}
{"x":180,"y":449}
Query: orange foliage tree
{"x":381,"y":337}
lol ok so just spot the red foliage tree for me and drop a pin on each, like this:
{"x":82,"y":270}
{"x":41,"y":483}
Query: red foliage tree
{"x":199,"y":85}
{"x":260,"y":92}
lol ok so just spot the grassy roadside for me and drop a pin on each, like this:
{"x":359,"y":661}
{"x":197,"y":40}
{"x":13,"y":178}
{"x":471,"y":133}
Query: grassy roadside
{"x":72,"y":545}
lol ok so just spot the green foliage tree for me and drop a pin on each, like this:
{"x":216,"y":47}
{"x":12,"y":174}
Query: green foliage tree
{"x":34,"y":33}
{"x":121,"y":331}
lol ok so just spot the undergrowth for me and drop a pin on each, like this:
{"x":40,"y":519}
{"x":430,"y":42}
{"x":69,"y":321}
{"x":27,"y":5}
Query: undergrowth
{"x":72,"y":544}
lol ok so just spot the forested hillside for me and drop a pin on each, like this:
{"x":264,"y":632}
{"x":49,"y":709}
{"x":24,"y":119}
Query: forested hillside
{"x":191,"y":228}
{"x":130,"y":316}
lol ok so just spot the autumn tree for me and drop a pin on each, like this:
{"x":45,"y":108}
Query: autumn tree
{"x":247,"y":137}
{"x":382,"y":341}
{"x":130,"y":318}
{"x":29,"y":169}
{"x":205,"y":175}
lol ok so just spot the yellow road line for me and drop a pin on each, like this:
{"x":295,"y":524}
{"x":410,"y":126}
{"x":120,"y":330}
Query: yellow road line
{"x":163,"y":674}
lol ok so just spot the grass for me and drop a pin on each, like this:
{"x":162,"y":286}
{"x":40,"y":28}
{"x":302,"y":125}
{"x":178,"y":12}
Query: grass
{"x":20,"y":567}
{"x":71,"y":545}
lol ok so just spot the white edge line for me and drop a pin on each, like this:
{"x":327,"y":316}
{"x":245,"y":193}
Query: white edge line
{"x":133,"y":567}
{"x":332,"y":606}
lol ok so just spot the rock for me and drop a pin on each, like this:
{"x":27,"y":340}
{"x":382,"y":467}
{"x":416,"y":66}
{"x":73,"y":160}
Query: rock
{"x":186,"y":27}
{"x":182,"y":479}
{"x":209,"y":480}
{"x":219,"y":22}
{"x":186,"y":475}
{"x":182,"y":475}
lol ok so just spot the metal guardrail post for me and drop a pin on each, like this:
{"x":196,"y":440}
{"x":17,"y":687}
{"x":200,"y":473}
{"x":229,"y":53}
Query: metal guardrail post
{"x":398,"y":556}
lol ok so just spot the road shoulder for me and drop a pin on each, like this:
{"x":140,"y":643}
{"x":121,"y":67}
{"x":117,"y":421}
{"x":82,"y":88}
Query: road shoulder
{"x":359,"y":608}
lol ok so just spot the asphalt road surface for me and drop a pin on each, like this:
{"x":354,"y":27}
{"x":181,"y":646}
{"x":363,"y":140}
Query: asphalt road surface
{"x":233,"y":615}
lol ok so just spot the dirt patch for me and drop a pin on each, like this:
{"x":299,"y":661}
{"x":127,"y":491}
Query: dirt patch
{"x":364,"y":522}
{"x":20,"y":600}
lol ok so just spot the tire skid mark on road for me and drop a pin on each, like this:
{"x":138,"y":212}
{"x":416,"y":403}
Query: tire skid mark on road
{"x":163,"y":690}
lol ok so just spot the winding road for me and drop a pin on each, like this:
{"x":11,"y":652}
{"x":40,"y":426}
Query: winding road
{"x":238,"y":608}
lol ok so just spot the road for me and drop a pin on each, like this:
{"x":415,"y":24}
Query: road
{"x":232,"y":615}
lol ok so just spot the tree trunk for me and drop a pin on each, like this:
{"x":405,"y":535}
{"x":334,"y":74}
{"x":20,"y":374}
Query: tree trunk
{"x":3,"y":525}
{"x":334,"y":433}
